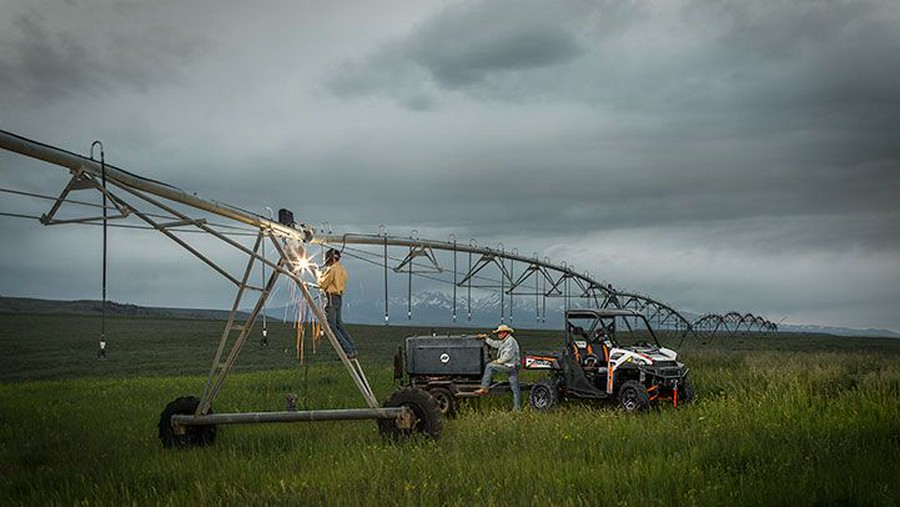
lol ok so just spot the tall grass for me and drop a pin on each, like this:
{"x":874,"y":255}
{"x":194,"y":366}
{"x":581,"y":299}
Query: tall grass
{"x":768,"y":427}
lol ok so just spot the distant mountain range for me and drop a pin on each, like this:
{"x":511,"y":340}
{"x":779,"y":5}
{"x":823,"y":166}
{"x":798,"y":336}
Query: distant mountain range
{"x":839,"y":331}
{"x":437,"y":309}
{"x":89,"y":307}
{"x":425,"y":308}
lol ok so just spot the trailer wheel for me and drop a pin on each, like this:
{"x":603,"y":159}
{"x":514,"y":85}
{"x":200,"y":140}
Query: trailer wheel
{"x":686,"y":393}
{"x":544,"y":395}
{"x":445,"y":400}
{"x":633,"y":397}
{"x":186,"y":436}
{"x":425,"y":412}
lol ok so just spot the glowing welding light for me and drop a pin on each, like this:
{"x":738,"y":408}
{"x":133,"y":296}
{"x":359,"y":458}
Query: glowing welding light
{"x":300,"y":259}
{"x":302,"y":264}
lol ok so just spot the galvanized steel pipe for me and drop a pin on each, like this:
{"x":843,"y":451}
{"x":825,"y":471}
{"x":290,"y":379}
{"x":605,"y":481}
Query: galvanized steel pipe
{"x":284,"y":417}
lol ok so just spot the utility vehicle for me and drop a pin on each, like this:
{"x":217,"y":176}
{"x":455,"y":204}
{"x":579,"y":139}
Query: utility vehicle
{"x":609,"y":354}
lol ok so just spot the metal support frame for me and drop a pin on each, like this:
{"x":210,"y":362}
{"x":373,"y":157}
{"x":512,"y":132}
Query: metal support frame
{"x":220,"y":370}
{"x":152,"y":194}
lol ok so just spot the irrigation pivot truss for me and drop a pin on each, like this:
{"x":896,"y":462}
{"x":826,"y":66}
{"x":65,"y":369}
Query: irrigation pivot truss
{"x":132,"y":201}
{"x":465,"y":265}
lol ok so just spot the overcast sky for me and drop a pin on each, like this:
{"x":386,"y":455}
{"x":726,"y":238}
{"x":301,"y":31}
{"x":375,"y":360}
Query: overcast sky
{"x":717,"y":155}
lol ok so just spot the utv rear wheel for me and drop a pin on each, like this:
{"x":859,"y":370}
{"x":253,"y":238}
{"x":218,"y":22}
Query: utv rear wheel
{"x":544,"y":395}
{"x":184,"y":436}
{"x":445,"y":400}
{"x":424,"y":415}
{"x":633,"y":397}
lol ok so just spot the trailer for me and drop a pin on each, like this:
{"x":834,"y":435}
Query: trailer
{"x":449,"y":368}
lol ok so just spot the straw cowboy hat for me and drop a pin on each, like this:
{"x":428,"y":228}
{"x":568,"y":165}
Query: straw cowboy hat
{"x":503,"y":327}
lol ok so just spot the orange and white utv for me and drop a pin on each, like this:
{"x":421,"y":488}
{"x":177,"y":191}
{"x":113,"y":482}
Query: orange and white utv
{"x":609,"y":354}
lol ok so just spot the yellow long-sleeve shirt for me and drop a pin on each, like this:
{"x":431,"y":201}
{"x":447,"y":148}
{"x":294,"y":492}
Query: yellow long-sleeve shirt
{"x":333,"y":279}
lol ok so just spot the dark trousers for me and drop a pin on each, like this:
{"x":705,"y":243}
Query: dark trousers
{"x":333,"y":314}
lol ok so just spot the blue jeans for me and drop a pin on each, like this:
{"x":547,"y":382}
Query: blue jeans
{"x":333,"y":314}
{"x":513,"y":372}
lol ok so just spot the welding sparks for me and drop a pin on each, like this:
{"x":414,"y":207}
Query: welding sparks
{"x":302,"y":262}
{"x":305,"y":265}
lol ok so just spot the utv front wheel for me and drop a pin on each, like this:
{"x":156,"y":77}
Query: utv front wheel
{"x":686,"y":391}
{"x":544,"y":395}
{"x":633,"y":397}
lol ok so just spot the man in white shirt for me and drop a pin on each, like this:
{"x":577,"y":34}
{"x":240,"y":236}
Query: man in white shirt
{"x":507,"y":362}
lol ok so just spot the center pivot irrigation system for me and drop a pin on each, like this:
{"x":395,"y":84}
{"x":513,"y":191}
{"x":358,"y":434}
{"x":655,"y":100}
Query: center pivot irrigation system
{"x":158,"y":206}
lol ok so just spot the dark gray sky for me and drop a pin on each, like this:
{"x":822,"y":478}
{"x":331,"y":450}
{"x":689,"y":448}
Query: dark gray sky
{"x":717,"y":155}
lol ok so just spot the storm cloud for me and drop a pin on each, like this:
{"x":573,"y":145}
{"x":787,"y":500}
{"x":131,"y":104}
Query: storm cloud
{"x":44,"y":62}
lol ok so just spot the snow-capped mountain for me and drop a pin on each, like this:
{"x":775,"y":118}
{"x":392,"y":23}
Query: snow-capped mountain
{"x":433,"y":308}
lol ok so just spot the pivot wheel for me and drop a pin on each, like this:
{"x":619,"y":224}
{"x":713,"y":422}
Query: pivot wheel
{"x":633,"y":397}
{"x":424,"y":415}
{"x":184,"y":436}
{"x":445,"y":400}
{"x":544,"y":395}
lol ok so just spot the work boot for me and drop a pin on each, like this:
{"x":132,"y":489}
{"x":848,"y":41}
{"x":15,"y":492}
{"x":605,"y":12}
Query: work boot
{"x":482,"y":391}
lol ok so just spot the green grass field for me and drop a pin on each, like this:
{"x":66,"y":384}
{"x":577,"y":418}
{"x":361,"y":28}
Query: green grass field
{"x":791,"y":419}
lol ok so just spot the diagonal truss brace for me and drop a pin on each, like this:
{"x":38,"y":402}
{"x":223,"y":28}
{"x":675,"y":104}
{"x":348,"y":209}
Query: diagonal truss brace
{"x":537,"y":271}
{"x":419,"y":251}
{"x":82,"y":181}
{"x":485,"y":260}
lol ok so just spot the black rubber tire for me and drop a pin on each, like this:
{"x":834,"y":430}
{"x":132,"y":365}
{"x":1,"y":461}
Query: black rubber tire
{"x":633,"y":397}
{"x":194,"y":436}
{"x":544,"y":395}
{"x":445,"y":400}
{"x":686,"y":391}
{"x":428,"y":420}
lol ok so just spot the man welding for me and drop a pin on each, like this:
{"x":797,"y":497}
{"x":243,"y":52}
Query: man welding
{"x":332,"y":282}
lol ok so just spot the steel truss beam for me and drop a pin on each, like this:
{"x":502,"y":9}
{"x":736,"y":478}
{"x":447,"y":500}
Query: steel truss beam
{"x":732,"y":324}
{"x":560,"y":280}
